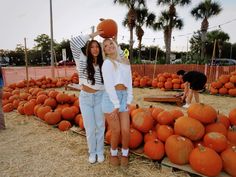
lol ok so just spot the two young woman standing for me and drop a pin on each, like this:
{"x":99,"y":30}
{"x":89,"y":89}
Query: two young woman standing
{"x":106,"y":90}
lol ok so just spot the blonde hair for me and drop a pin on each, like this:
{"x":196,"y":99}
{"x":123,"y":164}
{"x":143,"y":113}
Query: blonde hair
{"x":117,"y":56}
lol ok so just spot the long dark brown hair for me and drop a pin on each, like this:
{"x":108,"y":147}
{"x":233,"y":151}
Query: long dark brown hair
{"x":90,"y":59}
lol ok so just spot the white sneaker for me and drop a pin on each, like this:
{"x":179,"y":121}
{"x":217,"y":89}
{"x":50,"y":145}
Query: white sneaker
{"x":92,"y":159}
{"x":186,"y":105}
{"x":101,"y":158}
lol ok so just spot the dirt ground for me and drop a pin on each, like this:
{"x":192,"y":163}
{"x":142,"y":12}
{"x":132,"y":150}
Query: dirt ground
{"x":31,"y":148}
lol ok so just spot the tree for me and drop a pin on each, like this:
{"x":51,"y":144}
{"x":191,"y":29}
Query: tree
{"x":168,"y":21}
{"x":132,"y":5}
{"x":204,"y":10}
{"x":43,"y":43}
{"x":65,"y":44}
{"x":219,"y":36}
{"x":143,"y":17}
{"x":166,"y":24}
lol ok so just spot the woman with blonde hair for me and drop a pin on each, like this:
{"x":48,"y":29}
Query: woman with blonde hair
{"x":116,"y":100}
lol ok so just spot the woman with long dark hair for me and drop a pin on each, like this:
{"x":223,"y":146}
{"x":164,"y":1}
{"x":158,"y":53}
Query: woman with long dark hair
{"x":88,"y":57}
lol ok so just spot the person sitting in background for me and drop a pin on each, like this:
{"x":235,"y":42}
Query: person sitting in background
{"x":194,"y":81}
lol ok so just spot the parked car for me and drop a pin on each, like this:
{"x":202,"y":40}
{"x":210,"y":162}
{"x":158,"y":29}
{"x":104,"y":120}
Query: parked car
{"x":223,"y":62}
{"x":67,"y":63}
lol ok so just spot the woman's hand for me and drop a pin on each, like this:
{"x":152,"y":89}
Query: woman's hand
{"x":114,"y":113}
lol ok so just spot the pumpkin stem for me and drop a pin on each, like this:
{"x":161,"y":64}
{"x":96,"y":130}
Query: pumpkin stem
{"x":234,"y":148}
{"x":201,"y":147}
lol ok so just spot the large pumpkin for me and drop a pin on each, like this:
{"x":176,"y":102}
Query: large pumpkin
{"x":232,"y":116}
{"x":189,"y":127}
{"x":205,"y":161}
{"x":216,"y":141}
{"x":143,"y":121}
{"x":178,"y":149}
{"x":202,"y":112}
{"x":109,"y":27}
{"x":135,"y":139}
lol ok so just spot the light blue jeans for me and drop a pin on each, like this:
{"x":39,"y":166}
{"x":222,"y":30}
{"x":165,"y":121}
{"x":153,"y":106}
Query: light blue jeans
{"x":107,"y":105}
{"x":94,"y":122}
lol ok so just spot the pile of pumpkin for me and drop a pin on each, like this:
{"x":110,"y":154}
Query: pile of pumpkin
{"x":163,"y":81}
{"x":203,"y":138}
{"x":225,"y":85}
{"x":53,"y":107}
{"x":46,"y":82}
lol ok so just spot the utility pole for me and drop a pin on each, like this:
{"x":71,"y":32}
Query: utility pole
{"x":51,"y":28}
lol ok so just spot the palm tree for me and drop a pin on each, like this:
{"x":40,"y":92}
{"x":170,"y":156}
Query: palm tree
{"x":143,"y":17}
{"x":131,"y":4}
{"x":204,"y":10}
{"x":166,"y":23}
{"x":220,"y":37}
{"x":169,"y":20}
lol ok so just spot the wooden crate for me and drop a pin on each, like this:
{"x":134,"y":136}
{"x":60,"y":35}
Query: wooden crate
{"x":165,"y":99}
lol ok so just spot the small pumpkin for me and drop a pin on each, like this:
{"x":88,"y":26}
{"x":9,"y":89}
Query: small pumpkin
{"x":154,"y":149}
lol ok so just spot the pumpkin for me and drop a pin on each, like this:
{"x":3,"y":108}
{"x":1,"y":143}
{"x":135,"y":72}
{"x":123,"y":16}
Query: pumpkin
{"x":206,"y":161}
{"x":189,"y":127}
{"x":143,"y":121}
{"x":8,"y":107}
{"x":216,"y":127}
{"x":165,"y":118}
{"x":164,"y":131}
{"x":202,"y":112}
{"x":216,"y":141}
{"x":154,"y":149}
{"x":178,"y":149}
{"x":50,"y":102}
{"x":156,"y":111}
{"x":52,"y":118}
{"x":229,"y":160}
{"x":29,"y":108}
{"x":68,"y":113}
{"x":64,"y":125}
{"x":231,"y":136}
{"x":232,"y":116}
{"x":151,"y":135}
{"x":224,"y":120}
{"x":42,"y":110}
{"x":176,"y":113}
{"x":109,"y":28}
{"x":136,"y":138}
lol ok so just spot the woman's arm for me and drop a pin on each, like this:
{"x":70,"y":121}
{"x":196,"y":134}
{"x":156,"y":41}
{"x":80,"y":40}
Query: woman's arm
{"x":186,"y":89}
{"x":130,"y":89}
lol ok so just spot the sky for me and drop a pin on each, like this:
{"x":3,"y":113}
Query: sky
{"x":29,"y":18}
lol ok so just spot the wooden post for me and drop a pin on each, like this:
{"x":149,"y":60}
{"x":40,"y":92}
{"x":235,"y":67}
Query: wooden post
{"x":154,"y":72}
{"x":26,"y":66}
{"x":212,"y":58}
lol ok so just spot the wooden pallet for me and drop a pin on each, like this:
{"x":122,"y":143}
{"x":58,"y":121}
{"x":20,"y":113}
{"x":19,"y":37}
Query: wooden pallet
{"x":75,"y":87}
{"x":167,"y":165}
{"x":165,"y":99}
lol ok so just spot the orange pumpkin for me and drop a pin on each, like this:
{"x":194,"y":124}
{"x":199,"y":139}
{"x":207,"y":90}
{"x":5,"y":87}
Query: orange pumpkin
{"x":202,"y":112}
{"x":232,"y":116}
{"x":42,"y":110}
{"x":109,"y":28}
{"x":136,"y":138}
{"x":178,"y":149}
{"x":68,"y":113}
{"x":189,"y":127}
{"x":151,"y":135}
{"x":205,"y":161}
{"x":164,"y":131}
{"x":165,"y":118}
{"x":154,"y":149}
{"x":216,"y":141}
{"x":64,"y":125}
{"x":143,"y":121}
{"x":52,"y":118}
{"x":216,"y":127}
{"x":229,"y":160}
